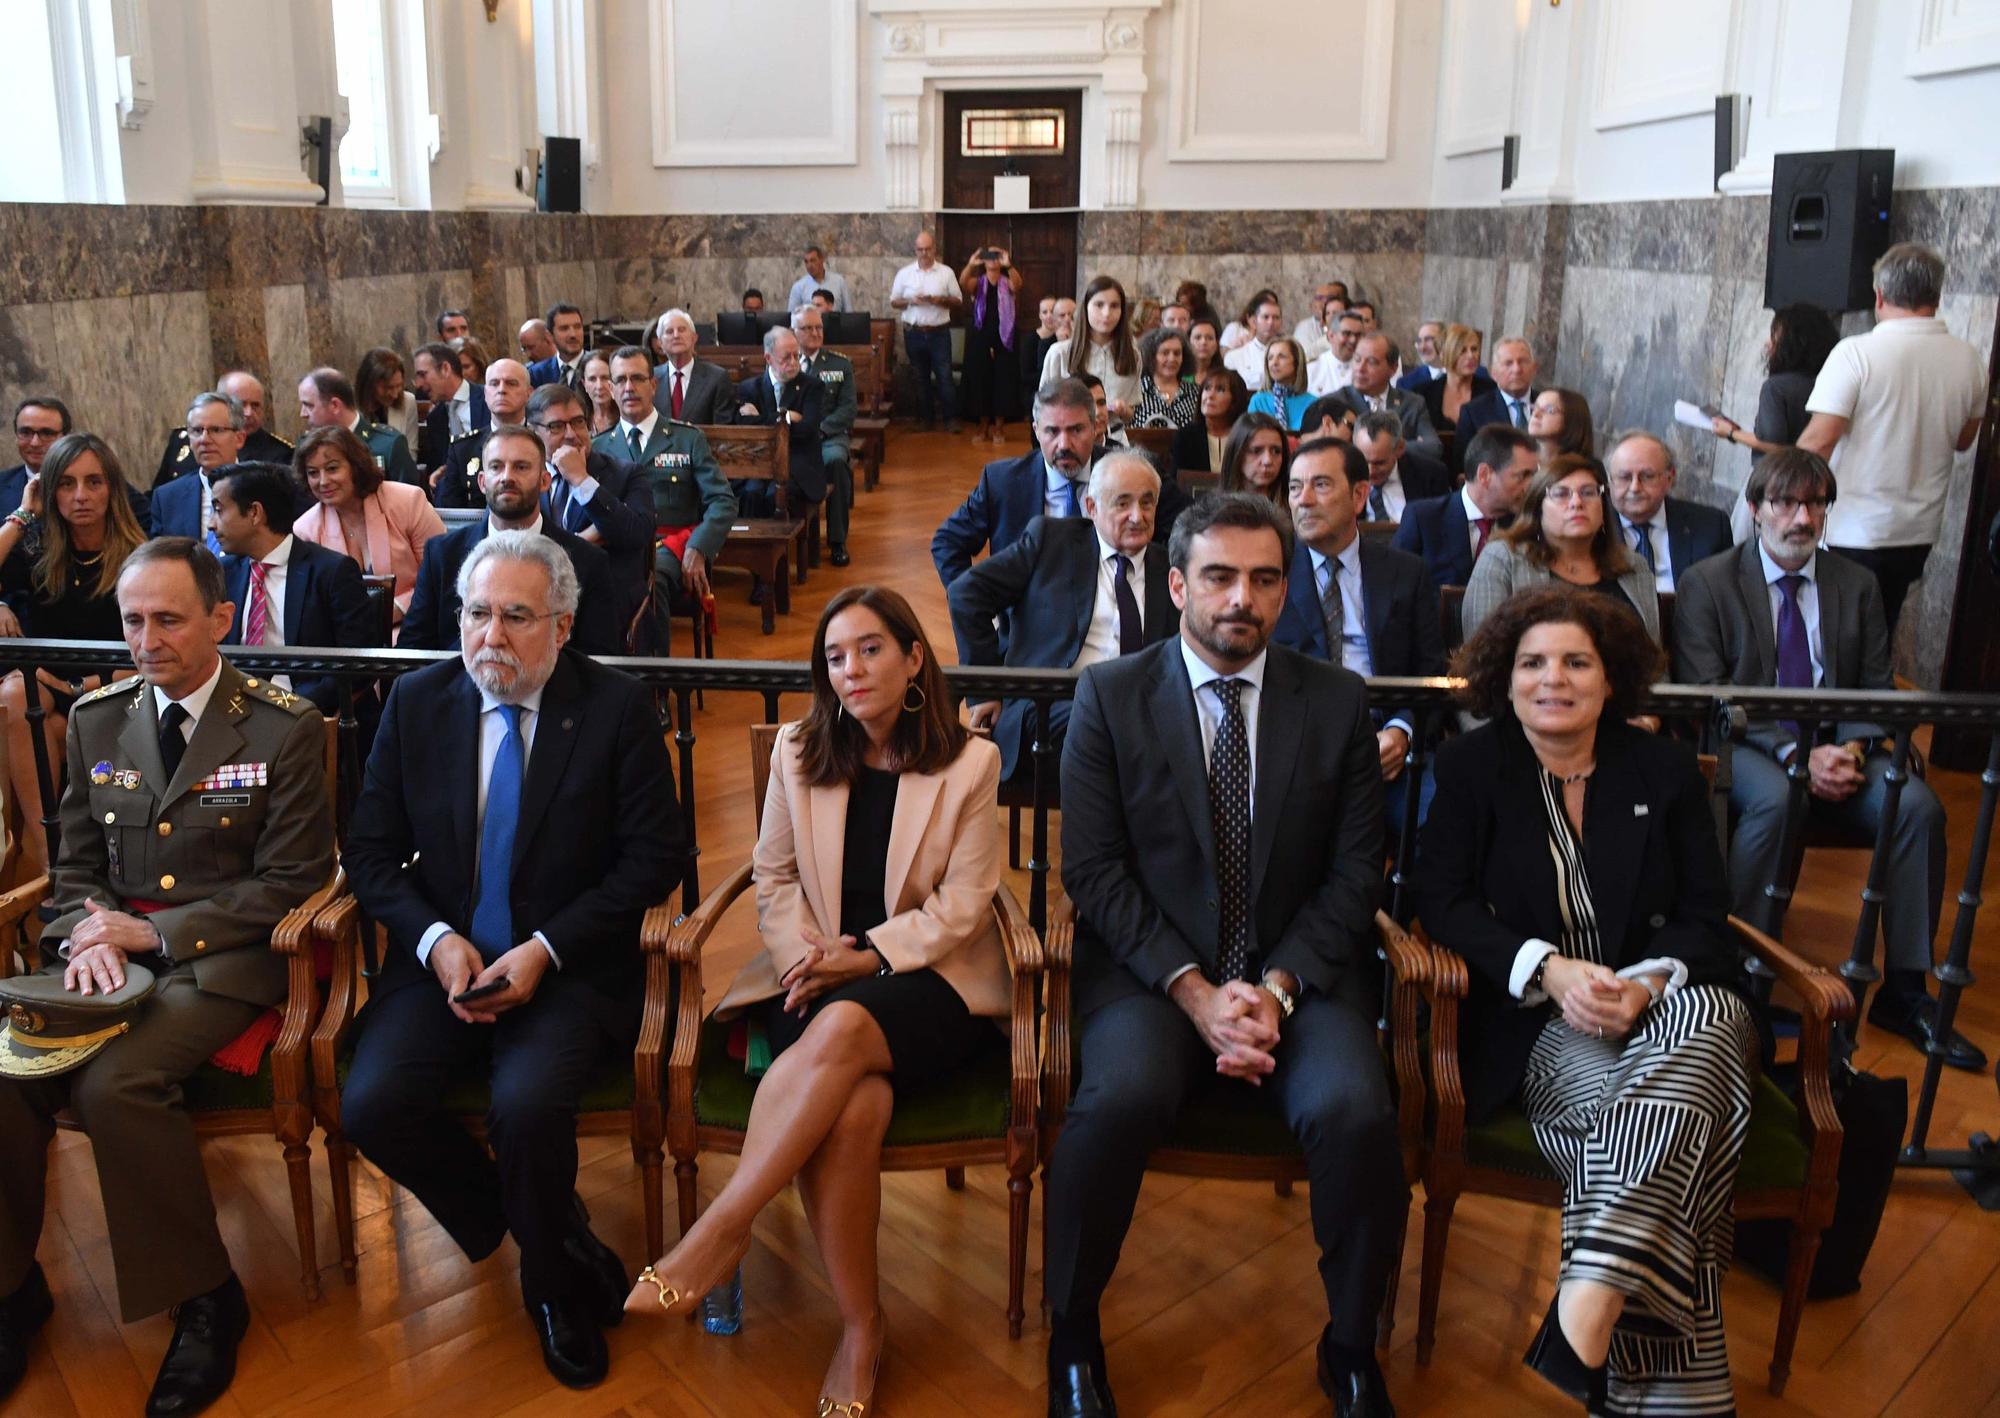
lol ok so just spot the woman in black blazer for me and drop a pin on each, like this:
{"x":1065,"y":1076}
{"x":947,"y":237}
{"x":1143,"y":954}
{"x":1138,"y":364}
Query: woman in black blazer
{"x":1197,"y":447}
{"x":1572,"y":861}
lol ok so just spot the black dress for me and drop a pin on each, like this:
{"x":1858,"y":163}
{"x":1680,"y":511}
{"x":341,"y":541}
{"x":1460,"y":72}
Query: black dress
{"x":991,"y":368}
{"x":78,"y":614}
{"x":928,"y":1027}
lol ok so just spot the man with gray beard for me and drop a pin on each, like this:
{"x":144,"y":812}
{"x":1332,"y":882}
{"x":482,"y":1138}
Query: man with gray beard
{"x":528,"y":790}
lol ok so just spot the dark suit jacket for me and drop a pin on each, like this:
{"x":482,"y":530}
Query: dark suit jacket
{"x":1409,"y":407}
{"x":325,"y":604}
{"x":1437,"y":529}
{"x":458,"y":486}
{"x":599,"y":838}
{"x":1490,"y":407}
{"x":1138,"y":851}
{"x":1423,"y":475}
{"x":1724,"y":634}
{"x":1695,"y":532}
{"x":1431,"y":391}
{"x":434,"y":438}
{"x":1046,"y":583}
{"x":1399,"y":609}
{"x":804,"y":397}
{"x":550,"y":371}
{"x":1486,"y":884}
{"x":622,"y":512}
{"x":176,"y":507}
{"x":431,"y":623}
{"x":177,"y":459}
{"x":1190,"y":448}
{"x":710,"y":397}
{"x":1010,"y":494}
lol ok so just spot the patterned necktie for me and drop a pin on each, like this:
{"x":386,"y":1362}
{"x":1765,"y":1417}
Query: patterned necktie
{"x":1642,"y":542}
{"x":1794,"y":649}
{"x":493,"y":908}
{"x":1378,"y":505}
{"x":1278,"y":395}
{"x":1229,"y":816}
{"x":257,"y":620}
{"x":677,"y":393}
{"x":1131,"y":629}
{"x":1517,"y":411}
{"x":1484,"y":527}
{"x":1334,"y":612}
{"x":172,"y":742}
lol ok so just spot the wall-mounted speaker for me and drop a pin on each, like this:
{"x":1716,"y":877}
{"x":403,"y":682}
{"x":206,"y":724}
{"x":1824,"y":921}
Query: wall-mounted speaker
{"x":316,"y":151}
{"x":1510,"y":160}
{"x":1829,"y":225}
{"x":560,"y":186}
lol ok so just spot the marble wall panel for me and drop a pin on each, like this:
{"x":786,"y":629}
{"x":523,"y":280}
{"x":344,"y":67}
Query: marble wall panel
{"x":1645,"y":236}
{"x":290,"y":353}
{"x":1465,"y":289}
{"x":126,"y":367}
{"x":28,"y":364}
{"x":395,"y":310}
{"x":1748,"y":321}
{"x":1519,"y":310}
{"x":1635,"y":341}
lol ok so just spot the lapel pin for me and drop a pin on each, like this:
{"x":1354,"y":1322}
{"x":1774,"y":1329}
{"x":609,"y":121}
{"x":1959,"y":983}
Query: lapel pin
{"x":569,"y":723}
{"x":1640,"y":810}
{"x":100,"y":773}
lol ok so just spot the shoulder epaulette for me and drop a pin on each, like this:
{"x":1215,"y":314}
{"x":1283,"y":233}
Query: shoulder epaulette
{"x":284,"y":698}
{"x":683,"y":423}
{"x":115,"y":687}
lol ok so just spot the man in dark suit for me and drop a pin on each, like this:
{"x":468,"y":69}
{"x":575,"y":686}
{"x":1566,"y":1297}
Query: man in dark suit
{"x":514,"y":477}
{"x":1667,"y":533}
{"x":260,"y":445}
{"x":38,"y":422}
{"x":1224,"y":927}
{"x":1013,"y":492}
{"x":1514,"y":372}
{"x":1780,"y":611}
{"x":517,"y":820}
{"x":1450,"y":530}
{"x":606,"y":502}
{"x":690,"y":390}
{"x":286,"y":591}
{"x":1371,"y":392}
{"x":456,"y":484}
{"x":184,"y":507}
{"x":1397,"y":473}
{"x":326,"y":399}
{"x":565,"y":366}
{"x":1356,"y":602}
{"x":458,"y":407}
{"x":781,"y":395}
{"x":1075,"y":590}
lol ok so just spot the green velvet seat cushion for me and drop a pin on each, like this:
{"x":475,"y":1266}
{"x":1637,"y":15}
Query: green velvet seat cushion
{"x":467,"y":1096}
{"x":216,"y":1090}
{"x":968,"y":1104}
{"x":1774,"y":1155}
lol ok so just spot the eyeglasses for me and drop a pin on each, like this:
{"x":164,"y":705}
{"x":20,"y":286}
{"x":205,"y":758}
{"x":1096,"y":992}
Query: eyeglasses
{"x":579,"y":424}
{"x":626,"y":381}
{"x":1563,"y":496}
{"x":1646,"y":477}
{"x":480,"y":617}
{"x":46,"y":435}
{"x":1789,"y":506}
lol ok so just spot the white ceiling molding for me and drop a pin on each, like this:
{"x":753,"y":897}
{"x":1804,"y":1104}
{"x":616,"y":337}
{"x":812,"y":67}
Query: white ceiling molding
{"x":826,"y":139}
{"x":1659,"y":61}
{"x":1953,"y":37}
{"x":1362,"y":138}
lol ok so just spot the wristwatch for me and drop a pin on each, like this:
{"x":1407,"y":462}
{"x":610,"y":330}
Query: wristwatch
{"x":887,"y":968}
{"x":1286,"y":1004}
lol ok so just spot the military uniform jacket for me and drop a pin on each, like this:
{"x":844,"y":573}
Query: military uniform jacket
{"x":240,"y":835}
{"x":262,"y":446}
{"x":688,"y":487}
{"x":391,"y":450}
{"x":840,"y":401}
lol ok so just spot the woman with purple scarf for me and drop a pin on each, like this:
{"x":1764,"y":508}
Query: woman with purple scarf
{"x":987,"y":395}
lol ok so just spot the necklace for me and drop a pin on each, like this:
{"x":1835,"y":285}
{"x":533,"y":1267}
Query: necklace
{"x":1572,"y":779}
{"x":82,"y":560}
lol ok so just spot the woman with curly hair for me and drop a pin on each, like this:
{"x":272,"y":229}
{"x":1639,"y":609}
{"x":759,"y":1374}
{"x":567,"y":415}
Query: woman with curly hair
{"x":1167,"y":398}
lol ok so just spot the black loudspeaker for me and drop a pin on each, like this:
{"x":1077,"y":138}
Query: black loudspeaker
{"x":560,"y":186}
{"x":1829,"y":224}
{"x":317,"y":145}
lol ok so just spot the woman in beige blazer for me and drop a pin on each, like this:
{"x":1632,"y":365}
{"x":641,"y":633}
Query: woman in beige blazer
{"x":876,"y":868}
{"x":382,"y":525}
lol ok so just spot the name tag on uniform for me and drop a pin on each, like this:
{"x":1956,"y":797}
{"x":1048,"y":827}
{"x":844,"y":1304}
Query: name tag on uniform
{"x":224,"y":800}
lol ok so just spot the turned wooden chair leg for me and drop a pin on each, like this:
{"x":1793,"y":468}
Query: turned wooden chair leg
{"x":1019,"y":1194}
{"x":298,"y":1167}
{"x":340,"y":1175}
{"x":1798,"y":1275}
{"x":1282,"y":1187}
{"x":954,"y":1177}
{"x":684,"y":1170}
{"x":1437,"y":1233}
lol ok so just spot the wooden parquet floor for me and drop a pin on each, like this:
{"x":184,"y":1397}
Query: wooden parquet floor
{"x":1214,"y":1310}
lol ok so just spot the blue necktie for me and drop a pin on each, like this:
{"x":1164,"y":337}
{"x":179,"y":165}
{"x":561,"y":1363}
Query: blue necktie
{"x":1642,"y":542}
{"x":493,"y":911}
{"x":1069,"y":491}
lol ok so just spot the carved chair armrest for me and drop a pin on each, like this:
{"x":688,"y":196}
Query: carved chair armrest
{"x":1449,"y":980}
{"x":338,"y":927}
{"x":1057,"y":945}
{"x":685,"y":941}
{"x":1824,"y":1001}
{"x":649,"y":1072}
{"x":1024,"y":966}
{"x":15,"y":906}
{"x":1409,"y":969}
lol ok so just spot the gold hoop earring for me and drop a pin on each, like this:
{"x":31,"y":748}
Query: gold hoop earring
{"x":909,"y":708}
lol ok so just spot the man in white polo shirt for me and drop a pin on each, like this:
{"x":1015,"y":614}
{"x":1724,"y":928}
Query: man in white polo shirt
{"x":926,"y":293}
{"x":1890,"y":410}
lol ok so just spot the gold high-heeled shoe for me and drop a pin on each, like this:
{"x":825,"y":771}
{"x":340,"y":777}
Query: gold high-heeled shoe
{"x":830,"y":1409}
{"x":667,"y":1295}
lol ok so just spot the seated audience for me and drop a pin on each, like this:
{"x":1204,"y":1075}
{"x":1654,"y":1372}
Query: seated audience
{"x":879,"y":966}
{"x":991,"y":283}
{"x":690,"y":390}
{"x":1105,"y":350}
{"x":1559,"y":421}
{"x":1263,"y":321}
{"x":783,"y":395}
{"x":530,"y":872}
{"x":1562,"y":535}
{"x":1221,"y":400}
{"x":1284,"y":395}
{"x":1462,"y":379}
{"x":1197,"y":967}
{"x":61,"y":551}
{"x":39,"y":421}
{"x":472,"y":359}
{"x":1371,"y":392}
{"x":1451,"y":529}
{"x":327,"y":400}
{"x":1781,"y":611}
{"x":260,"y":445}
{"x":605,"y":501}
{"x":835,"y":372}
{"x":194,"y":909}
{"x":379,"y":385}
{"x":453,"y":325}
{"x":184,"y":507}
{"x":1514,"y":391}
{"x":1257,"y":458}
{"x":564,"y":363}
{"x":1034,"y":351}
{"x":1204,"y":349}
{"x":1166,"y":400}
{"x":1333,"y":370}
{"x":1795,"y":350}
{"x":1431,"y":363}
{"x":1668,"y":533}
{"x":1310,"y":332}
{"x":1014,"y":491}
{"x":456,"y":483}
{"x":514,"y":479}
{"x":1328,"y":417}
{"x":753,"y":301}
{"x":1397,"y":473}
{"x":1571,"y":859}
{"x":1175,"y":317}
{"x":458,"y":409}
{"x":816,"y":279}
{"x":535,"y":341}
{"x":1072,"y":591}
{"x":383,"y":525}
{"x":598,"y":393}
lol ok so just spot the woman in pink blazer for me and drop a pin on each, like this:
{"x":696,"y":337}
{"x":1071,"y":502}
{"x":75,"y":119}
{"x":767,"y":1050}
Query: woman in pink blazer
{"x":382,"y":525}
{"x":876,"y":868}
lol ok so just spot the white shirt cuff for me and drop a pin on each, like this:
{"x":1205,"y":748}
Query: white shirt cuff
{"x":1409,"y":732}
{"x":554,"y":959}
{"x":431,"y":937}
{"x":1675,"y":971}
{"x":1175,"y":976}
{"x":585,"y":491}
{"x":1525,"y":960}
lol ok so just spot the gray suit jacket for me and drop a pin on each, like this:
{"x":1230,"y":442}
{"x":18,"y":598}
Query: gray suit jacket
{"x":1724,"y":634}
{"x":1409,"y":407}
{"x":1501,"y":571}
{"x":709,"y":398}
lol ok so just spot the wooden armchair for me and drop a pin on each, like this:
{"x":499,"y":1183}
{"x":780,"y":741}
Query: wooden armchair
{"x":1791,"y":1157}
{"x":1217,"y":1136}
{"x":984,"y":1113}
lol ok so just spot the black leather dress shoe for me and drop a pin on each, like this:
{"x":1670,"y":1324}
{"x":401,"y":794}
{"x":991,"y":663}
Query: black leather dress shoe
{"x":838,"y":555}
{"x":201,"y":1359}
{"x":21,"y":1314}
{"x":1552,"y":1357}
{"x":572,"y":1344}
{"x":1076,"y":1393}
{"x":1918,"y":1022}
{"x":604,"y":1273}
{"x":1357,"y":1390}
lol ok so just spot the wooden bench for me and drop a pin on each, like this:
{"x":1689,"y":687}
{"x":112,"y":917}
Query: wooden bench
{"x":771,"y":549}
{"x":868,"y":438}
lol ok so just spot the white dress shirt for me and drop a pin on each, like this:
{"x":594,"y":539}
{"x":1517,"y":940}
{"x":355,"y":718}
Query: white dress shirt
{"x":195,"y":703}
{"x":1248,"y":361}
{"x":1393,"y":497}
{"x":645,"y":427}
{"x":1355,"y":653}
{"x":1328,"y":374}
{"x":492,"y":733}
{"x":1100,"y":639}
{"x":1208,"y":708}
{"x":279,"y":560}
{"x":912,"y":281}
{"x":1656,"y":533}
{"x":1055,"y":492}
{"x":803,"y":288}
{"x":1472,"y":516}
{"x":1311,"y":336}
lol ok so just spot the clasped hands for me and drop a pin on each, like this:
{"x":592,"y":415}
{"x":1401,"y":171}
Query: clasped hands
{"x":98,"y":947}
{"x":826,"y":965}
{"x":457,"y":964}
{"x":1237,"y":1020}
{"x":1592,"y":997}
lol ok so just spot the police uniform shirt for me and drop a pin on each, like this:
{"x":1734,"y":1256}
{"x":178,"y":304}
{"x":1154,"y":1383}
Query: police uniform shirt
{"x":644,"y":430}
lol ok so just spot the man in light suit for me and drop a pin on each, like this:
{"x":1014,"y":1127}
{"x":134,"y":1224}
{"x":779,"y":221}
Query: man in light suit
{"x":782,"y":395}
{"x":691,"y":390}
{"x":1398,"y":474}
{"x":530,"y":864}
{"x":184,"y":507}
{"x":1224,"y":936}
{"x":565,"y":364}
{"x":458,"y":407}
{"x":1781,"y":611}
{"x":1667,"y":533}
{"x":1514,"y":372}
{"x":326,"y":398}
{"x":1449,"y":530}
{"x":1013,"y":492}
{"x":835,"y":372}
{"x":1371,"y":391}
{"x":1075,"y":590}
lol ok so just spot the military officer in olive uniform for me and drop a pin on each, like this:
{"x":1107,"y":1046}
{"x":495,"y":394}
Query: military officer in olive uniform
{"x":196,"y":817}
{"x":692,"y":503}
{"x":326,"y":400}
{"x":260,"y":445}
{"x":835,"y":372}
